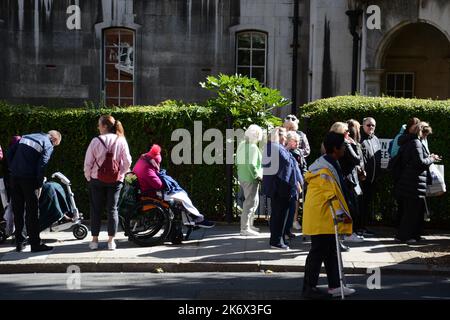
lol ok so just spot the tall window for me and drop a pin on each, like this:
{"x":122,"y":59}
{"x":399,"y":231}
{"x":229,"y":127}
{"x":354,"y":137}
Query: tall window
{"x":251,"y":55}
{"x":118,"y":66}
{"x":399,"y":84}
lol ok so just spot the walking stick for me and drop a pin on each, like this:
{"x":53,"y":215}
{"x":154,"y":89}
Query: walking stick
{"x":338,"y":249}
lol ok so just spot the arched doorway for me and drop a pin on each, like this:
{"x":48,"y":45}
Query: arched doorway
{"x":416,"y":63}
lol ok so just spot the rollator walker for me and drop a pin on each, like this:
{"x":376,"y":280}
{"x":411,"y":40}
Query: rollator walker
{"x":54,"y":221}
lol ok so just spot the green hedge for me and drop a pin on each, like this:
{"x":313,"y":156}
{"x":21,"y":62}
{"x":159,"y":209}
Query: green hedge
{"x":390,"y":114}
{"x":143,"y":126}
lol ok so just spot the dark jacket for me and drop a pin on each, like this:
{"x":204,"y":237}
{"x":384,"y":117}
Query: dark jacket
{"x":300,"y":159}
{"x":29,"y":157}
{"x":353,"y":158}
{"x":371,"y":148}
{"x":280,"y":172}
{"x":412,"y":182}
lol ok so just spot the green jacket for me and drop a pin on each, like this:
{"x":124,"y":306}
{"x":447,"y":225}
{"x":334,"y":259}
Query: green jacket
{"x":248,"y":160}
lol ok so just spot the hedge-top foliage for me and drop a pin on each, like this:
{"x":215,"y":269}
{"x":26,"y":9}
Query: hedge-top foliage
{"x":390,"y":114}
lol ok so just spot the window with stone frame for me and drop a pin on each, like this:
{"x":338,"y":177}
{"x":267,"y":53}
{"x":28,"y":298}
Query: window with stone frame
{"x":118,"y":66}
{"x":400,"y":84}
{"x":251,"y":54}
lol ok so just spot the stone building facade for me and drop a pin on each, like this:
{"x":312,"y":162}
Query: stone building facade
{"x":146,"y":51}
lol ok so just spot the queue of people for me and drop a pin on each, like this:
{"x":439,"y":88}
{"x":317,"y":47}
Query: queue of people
{"x":343,"y":180}
{"x":107,"y":160}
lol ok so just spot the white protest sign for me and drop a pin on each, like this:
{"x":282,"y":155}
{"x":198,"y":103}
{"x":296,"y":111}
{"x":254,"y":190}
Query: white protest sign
{"x":384,"y":152}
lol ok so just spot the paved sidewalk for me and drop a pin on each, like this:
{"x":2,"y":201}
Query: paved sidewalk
{"x":222,"y":249}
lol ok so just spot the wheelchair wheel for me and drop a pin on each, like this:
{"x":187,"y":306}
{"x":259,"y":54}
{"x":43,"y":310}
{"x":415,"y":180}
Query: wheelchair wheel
{"x":148,"y":227}
{"x":80,"y":231}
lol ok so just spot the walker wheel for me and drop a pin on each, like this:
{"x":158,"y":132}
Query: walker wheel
{"x":80,"y":231}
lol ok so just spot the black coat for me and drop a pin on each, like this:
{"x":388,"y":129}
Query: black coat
{"x":352,"y":159}
{"x":412,"y":182}
{"x":371,"y":148}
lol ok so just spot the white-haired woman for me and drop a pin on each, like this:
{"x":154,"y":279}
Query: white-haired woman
{"x":249,"y":171}
{"x":281,"y":181}
{"x":303,"y":150}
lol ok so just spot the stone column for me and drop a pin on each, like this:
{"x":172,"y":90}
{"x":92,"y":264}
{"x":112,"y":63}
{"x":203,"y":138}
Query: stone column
{"x":372,"y":86}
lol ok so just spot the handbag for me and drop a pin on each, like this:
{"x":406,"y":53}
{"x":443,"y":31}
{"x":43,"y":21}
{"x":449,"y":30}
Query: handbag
{"x":437,"y":186}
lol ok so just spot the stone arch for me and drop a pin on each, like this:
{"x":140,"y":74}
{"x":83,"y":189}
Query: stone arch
{"x":415,"y":57}
{"x":391,"y":34}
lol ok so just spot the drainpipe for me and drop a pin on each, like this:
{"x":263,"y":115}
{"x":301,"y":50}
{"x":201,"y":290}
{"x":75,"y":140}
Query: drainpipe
{"x":294,"y":58}
{"x":229,"y":178}
{"x":353,"y":16}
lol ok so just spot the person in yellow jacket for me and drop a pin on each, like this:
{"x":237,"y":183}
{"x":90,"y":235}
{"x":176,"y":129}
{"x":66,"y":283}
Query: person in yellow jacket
{"x":325,"y":186}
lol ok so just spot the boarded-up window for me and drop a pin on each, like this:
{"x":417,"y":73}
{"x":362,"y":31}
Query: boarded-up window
{"x":118,"y":66}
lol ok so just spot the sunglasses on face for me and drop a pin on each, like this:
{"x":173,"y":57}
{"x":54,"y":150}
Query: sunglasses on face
{"x":291,"y":118}
{"x":370,"y":125}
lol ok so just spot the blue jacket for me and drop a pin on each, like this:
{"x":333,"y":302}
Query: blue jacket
{"x":394,"y":146}
{"x":280,"y":172}
{"x":29,"y":157}
{"x":171,"y":185}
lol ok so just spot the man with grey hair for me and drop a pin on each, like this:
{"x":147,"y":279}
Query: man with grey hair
{"x":371,"y":148}
{"x":27,"y":161}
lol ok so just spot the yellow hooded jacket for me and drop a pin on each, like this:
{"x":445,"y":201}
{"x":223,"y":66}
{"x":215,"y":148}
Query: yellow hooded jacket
{"x":323,"y":188}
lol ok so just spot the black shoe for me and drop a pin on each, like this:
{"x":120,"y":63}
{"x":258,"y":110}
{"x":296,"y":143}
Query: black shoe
{"x":279,"y":246}
{"x":290,"y":235}
{"x":40,"y":248}
{"x":367,"y":233}
{"x":411,"y":241}
{"x":205,"y":224}
{"x":315,"y":294}
{"x":343,"y":247}
{"x":20,"y":246}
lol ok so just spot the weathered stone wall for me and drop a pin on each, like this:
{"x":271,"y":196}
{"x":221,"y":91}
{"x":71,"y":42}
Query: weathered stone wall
{"x":178,"y":43}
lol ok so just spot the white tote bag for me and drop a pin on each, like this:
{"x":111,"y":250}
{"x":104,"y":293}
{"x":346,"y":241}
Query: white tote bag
{"x":437,"y":186}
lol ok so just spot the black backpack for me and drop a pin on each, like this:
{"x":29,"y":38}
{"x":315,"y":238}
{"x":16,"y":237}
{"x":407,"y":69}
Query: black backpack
{"x":395,"y":164}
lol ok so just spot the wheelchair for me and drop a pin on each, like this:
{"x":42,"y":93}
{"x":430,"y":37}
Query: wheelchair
{"x":150,"y":221}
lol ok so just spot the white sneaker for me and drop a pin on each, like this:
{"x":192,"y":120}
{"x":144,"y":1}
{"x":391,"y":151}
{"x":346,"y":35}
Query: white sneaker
{"x":93,"y":245}
{"x":353,"y":238}
{"x":249,"y":233}
{"x":296,"y":225}
{"x":337,"y":291}
{"x":112,"y":245}
{"x":254,"y":229}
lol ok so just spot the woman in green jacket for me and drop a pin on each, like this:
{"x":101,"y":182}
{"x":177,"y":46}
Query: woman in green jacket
{"x":249,"y":171}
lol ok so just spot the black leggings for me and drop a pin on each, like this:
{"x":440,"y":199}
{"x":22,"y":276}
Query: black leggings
{"x":323,"y":249}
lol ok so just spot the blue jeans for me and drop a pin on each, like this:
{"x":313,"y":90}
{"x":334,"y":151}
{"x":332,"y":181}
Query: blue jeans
{"x":101,"y":195}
